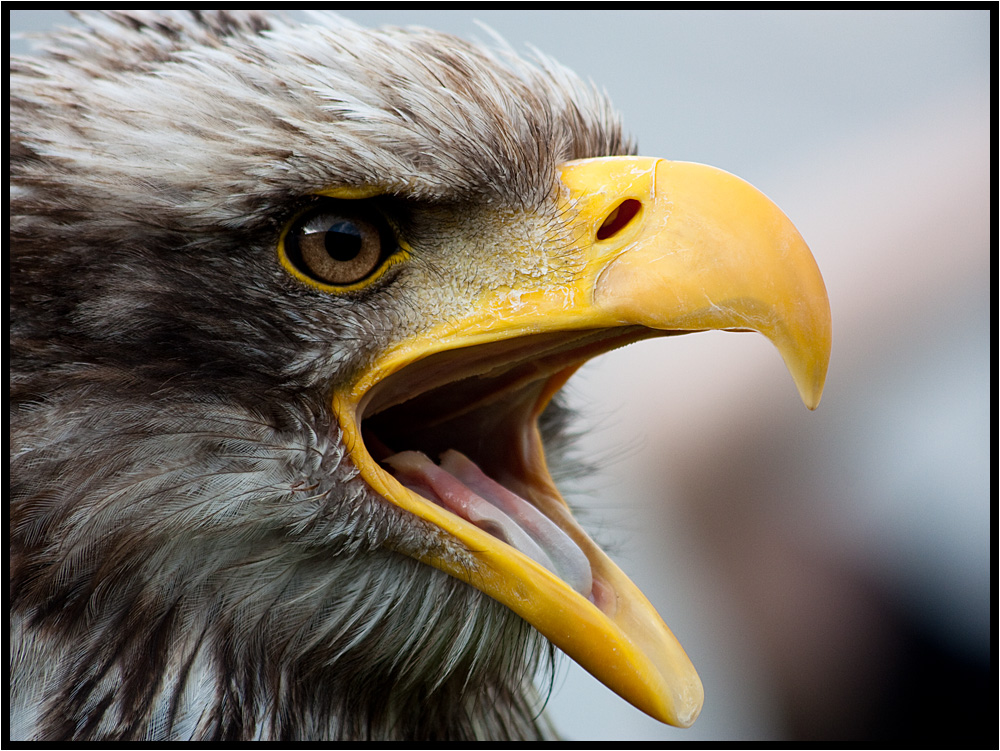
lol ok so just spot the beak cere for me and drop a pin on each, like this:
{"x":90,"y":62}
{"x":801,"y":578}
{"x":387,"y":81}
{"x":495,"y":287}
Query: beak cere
{"x":445,"y":425}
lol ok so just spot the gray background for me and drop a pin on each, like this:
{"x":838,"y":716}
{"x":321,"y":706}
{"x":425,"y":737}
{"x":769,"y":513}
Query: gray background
{"x":809,"y":562}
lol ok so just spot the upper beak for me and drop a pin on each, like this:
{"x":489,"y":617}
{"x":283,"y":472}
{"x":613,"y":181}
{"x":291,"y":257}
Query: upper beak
{"x":704,"y":250}
{"x":663,"y":245}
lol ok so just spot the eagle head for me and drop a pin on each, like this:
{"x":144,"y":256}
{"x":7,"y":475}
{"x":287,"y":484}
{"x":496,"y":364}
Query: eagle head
{"x":291,"y":305}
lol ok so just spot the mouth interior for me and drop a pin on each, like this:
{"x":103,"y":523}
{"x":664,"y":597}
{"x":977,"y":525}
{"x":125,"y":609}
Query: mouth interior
{"x":459,"y":429}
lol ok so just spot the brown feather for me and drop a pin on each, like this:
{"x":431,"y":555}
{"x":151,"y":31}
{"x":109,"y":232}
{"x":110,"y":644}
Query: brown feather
{"x":191,"y":555}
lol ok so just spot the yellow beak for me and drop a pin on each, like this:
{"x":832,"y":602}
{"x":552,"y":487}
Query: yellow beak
{"x":656,"y":245}
{"x":705,"y":251}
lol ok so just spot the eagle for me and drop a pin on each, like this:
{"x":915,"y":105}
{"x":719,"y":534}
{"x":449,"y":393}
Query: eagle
{"x":291,"y":305}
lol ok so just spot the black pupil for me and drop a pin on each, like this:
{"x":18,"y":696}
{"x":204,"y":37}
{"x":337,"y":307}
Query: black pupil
{"x":343,"y":241}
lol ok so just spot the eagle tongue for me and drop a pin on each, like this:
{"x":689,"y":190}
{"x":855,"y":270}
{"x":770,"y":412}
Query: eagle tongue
{"x":460,"y":486}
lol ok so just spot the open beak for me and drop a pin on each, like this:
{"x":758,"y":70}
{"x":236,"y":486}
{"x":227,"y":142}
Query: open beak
{"x":658,"y":248}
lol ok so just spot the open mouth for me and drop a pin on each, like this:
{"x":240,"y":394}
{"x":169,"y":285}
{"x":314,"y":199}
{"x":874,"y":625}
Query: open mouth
{"x":447,"y":429}
{"x":460,"y":429}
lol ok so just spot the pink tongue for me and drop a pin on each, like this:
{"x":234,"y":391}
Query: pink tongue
{"x":460,"y":486}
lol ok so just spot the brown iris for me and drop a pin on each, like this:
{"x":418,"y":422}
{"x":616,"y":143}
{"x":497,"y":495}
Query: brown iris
{"x":338,"y":244}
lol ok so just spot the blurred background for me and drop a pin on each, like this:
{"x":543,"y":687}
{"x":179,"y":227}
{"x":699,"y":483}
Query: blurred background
{"x":829,"y":573}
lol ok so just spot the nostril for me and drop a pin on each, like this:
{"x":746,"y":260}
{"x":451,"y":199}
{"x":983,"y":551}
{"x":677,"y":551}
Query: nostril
{"x":616,"y":221}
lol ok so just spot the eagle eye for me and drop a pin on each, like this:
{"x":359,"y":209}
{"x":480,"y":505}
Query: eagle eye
{"x":336,"y":243}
